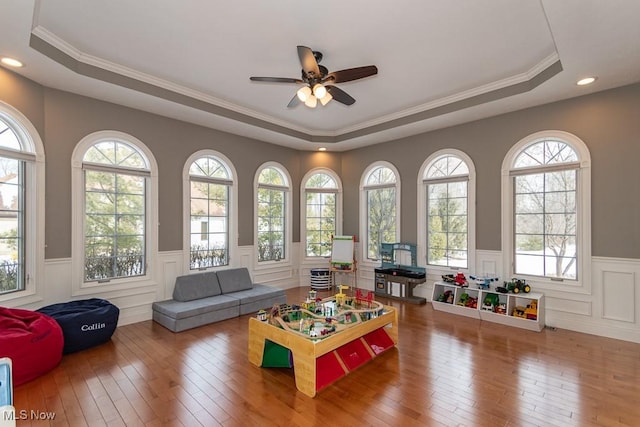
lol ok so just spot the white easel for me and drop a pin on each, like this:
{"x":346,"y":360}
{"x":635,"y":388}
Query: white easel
{"x":343,"y":260}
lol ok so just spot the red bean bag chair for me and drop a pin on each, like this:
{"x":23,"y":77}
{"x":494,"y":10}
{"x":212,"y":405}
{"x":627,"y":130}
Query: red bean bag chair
{"x":32,"y":340}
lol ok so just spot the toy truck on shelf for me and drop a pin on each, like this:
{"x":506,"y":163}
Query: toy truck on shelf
{"x":529,"y":312}
{"x":483,"y":282}
{"x":458,"y":279}
{"x":515,"y":286}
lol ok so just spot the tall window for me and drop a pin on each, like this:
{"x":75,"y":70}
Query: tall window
{"x":381,"y":200}
{"x":548,"y":177}
{"x":210,"y":183}
{"x":18,"y":250}
{"x":446,"y":183}
{"x":117,"y":176}
{"x":321,"y":195}
{"x":272,"y":199}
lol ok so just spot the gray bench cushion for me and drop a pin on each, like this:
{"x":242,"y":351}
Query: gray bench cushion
{"x":234,"y":279}
{"x":259,"y":297}
{"x":184,"y":309}
{"x":257,"y":293}
{"x":196,"y":286}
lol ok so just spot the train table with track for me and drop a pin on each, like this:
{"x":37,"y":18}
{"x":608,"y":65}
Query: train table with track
{"x":323,"y":339}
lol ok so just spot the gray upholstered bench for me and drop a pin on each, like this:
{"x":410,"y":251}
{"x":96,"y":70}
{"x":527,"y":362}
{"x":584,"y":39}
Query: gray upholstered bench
{"x":203,"y":298}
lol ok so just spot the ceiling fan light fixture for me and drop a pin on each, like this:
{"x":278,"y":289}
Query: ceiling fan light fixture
{"x":304,"y":93}
{"x":312,"y":77}
{"x":311,"y":102}
{"x":326,"y":98}
{"x":319,"y":91}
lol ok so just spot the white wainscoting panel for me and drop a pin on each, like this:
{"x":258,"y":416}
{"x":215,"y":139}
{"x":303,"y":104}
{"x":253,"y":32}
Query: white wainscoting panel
{"x":171,"y":266}
{"x":489,"y":263}
{"x":568,"y":306}
{"x":618,"y":296}
{"x":611,"y":310}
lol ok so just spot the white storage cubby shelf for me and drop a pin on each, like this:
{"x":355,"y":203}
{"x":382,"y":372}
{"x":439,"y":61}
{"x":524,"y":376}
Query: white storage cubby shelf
{"x":530,"y":306}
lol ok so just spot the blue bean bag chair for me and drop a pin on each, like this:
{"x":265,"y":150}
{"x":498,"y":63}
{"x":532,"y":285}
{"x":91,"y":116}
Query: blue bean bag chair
{"x":85,"y":323}
{"x":32,"y":340}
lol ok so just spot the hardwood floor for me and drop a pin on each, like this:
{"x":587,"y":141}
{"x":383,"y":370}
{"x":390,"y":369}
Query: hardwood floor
{"x":446,"y":370}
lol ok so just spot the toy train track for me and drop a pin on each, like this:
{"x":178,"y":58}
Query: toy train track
{"x":324,"y":318}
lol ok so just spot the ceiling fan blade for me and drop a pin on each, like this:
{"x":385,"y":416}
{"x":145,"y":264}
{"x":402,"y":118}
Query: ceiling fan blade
{"x":295,"y":101}
{"x":340,"y":95}
{"x":275,"y":79}
{"x":308,"y":62}
{"x":351,"y":74}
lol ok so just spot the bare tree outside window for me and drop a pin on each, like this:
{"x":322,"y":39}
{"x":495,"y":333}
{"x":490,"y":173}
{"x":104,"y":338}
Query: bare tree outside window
{"x":210,"y":181}
{"x":545,"y":177}
{"x":321,"y":197}
{"x":271,"y":207}
{"x":115,"y":211}
{"x":446,"y":180}
{"x":11,"y":225}
{"x":381,"y":199}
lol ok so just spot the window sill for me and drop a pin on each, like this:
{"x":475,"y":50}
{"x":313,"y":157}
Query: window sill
{"x":20,"y":298}
{"x":91,"y":288}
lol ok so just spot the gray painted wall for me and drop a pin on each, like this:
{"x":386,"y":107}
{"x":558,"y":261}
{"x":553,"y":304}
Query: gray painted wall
{"x":608,"y":122}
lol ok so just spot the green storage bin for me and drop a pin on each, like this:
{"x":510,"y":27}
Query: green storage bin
{"x":276,"y":356}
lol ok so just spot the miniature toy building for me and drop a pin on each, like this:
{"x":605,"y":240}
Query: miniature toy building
{"x":392,"y":271}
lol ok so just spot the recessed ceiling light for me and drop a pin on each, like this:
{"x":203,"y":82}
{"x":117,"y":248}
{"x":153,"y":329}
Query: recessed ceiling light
{"x":586,"y":81}
{"x":322,"y":149}
{"x":11,"y":62}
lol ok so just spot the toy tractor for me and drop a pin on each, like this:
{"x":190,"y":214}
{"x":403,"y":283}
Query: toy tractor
{"x":517,"y":285}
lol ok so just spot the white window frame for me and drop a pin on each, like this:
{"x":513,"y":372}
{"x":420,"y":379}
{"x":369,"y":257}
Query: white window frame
{"x":303,"y":206}
{"x":232,"y":214}
{"x":364,"y":216}
{"x":288,"y":241}
{"x":34,"y":251}
{"x":583,"y":210}
{"x":79,"y":286}
{"x":422,"y":226}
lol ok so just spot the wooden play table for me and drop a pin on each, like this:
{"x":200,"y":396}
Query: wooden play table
{"x":318,"y":362}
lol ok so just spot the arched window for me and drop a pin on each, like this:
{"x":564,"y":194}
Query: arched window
{"x":546,"y":192}
{"x":380,"y":207}
{"x":448,"y":203}
{"x":209,"y":194}
{"x":321,"y":211}
{"x":117,"y":239}
{"x":273,"y":216}
{"x":21,"y":205}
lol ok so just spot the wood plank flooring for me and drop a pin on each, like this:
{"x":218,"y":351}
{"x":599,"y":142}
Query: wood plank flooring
{"x":446,"y":371}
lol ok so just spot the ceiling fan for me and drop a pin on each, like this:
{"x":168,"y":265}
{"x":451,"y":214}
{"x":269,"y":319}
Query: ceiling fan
{"x":318,"y":81}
